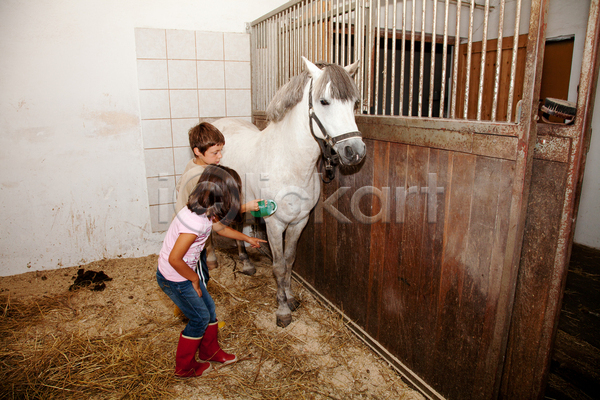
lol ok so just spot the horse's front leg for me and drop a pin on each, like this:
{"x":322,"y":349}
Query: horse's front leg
{"x":292,"y":234}
{"x":248,"y":267}
{"x":275,"y":232}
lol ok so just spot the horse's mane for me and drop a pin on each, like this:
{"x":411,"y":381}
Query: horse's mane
{"x":290,"y":94}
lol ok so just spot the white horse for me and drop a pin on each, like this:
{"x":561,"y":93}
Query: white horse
{"x":310,"y":116}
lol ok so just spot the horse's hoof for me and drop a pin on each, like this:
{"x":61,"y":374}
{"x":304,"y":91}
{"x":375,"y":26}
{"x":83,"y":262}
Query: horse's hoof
{"x":293,"y":304}
{"x":284,"y":320}
{"x":248,"y":270}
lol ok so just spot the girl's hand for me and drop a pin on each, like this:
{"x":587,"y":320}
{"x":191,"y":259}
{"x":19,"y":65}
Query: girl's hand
{"x":255,"y":242}
{"x":196,"y":285}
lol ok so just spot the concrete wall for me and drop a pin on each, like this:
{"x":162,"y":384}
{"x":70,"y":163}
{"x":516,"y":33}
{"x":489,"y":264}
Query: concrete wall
{"x":73,"y":183}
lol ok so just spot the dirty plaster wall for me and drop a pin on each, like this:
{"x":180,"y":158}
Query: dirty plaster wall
{"x":72,"y":173}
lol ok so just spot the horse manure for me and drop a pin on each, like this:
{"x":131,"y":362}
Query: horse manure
{"x":91,"y":279}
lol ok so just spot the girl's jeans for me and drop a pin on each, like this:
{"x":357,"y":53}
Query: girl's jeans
{"x":199,"y":310}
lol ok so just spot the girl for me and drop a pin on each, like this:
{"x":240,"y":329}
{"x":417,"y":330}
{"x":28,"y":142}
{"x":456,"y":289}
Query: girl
{"x":214,"y":203}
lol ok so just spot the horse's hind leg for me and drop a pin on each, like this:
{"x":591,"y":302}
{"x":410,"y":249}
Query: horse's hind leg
{"x":292,"y":234}
{"x":248,"y":267}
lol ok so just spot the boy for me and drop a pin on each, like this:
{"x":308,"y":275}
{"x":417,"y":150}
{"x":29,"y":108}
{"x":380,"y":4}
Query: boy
{"x":207,"y":144}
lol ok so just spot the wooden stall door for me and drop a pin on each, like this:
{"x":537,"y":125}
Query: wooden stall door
{"x":424,"y":262}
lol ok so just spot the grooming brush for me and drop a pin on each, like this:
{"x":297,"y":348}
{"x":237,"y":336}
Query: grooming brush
{"x":558,"y":108}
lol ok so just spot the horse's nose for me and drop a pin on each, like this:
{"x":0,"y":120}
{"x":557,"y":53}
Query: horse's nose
{"x":349,"y":152}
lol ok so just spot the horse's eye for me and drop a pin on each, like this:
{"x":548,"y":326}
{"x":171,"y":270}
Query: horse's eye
{"x":324,"y":102}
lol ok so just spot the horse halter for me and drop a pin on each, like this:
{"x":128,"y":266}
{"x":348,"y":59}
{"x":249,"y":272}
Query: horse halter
{"x":330,"y":157}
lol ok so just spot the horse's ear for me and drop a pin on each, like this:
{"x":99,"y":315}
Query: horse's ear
{"x":313,"y":70}
{"x":352,"y":68}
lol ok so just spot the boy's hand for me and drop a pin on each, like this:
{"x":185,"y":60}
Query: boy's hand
{"x":255,"y":242}
{"x":252,"y":205}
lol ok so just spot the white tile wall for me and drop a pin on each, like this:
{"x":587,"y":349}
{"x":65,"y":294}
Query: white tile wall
{"x":212,"y":102}
{"x":183,"y":77}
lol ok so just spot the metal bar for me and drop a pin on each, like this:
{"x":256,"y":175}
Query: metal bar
{"x":393,"y":80}
{"x":279,"y":53}
{"x":288,"y":45}
{"x":412,"y":61}
{"x":356,"y":19}
{"x":369,"y":52}
{"x":322,"y":20}
{"x":269,"y":59}
{"x":422,"y":60}
{"x":337,"y":32}
{"x":324,"y":28}
{"x":432,"y":71}
{"x":385,"y":61}
{"x":343,"y":33}
{"x":513,"y":67}
{"x":331,"y":38}
{"x":377,"y":53}
{"x":295,"y":53}
{"x":263,"y":65}
{"x":306,"y":31}
{"x":498,"y":61}
{"x":444,"y":59}
{"x":455,"y":68}
{"x":483,"y":55}
{"x":362,"y":53}
{"x":298,"y":39}
{"x":252,"y":70}
{"x":402,"y":60}
{"x":465,"y":3}
{"x":311,"y":32}
{"x":468,"y":66}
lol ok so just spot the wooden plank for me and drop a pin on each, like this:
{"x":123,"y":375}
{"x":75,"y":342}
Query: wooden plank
{"x":552,"y":148}
{"x":353,"y":240}
{"x":431,"y":257}
{"x":452,"y":125}
{"x":495,"y":146}
{"x":535,"y":274}
{"x":325,"y":239}
{"x":381,"y":155}
{"x":440,"y":139}
{"x":390,"y":311}
{"x":476,"y":288}
{"x":411,"y":320}
{"x":448,"y":331}
{"x":488,"y":359}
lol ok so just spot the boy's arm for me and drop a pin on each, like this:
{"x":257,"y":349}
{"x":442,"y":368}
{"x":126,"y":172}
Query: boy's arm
{"x":250,"y":206}
{"x":227,"y":232}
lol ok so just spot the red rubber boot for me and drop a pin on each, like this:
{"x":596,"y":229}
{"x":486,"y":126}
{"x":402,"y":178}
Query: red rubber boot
{"x":210,"y":350}
{"x":185,"y":360}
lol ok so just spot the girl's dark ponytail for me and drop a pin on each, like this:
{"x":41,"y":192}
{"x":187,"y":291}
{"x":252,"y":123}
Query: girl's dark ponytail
{"x":217,"y":194}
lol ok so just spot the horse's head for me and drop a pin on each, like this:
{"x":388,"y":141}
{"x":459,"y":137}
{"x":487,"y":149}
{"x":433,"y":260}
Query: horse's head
{"x":332,"y":96}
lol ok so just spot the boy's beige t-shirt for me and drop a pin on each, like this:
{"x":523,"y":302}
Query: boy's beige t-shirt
{"x":187,"y":183}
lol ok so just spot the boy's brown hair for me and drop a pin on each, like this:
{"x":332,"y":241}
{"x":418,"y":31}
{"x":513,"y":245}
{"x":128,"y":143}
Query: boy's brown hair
{"x":205,"y":135}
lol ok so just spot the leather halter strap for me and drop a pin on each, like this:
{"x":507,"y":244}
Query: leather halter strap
{"x":326,"y":143}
